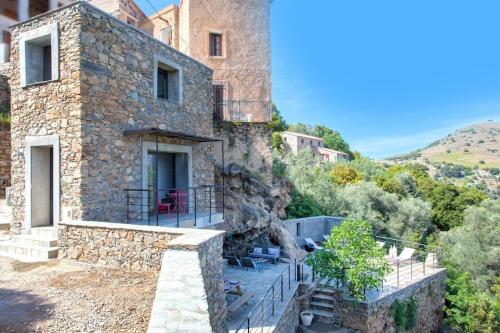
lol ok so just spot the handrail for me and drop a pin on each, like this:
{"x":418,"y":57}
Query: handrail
{"x":246,"y":325}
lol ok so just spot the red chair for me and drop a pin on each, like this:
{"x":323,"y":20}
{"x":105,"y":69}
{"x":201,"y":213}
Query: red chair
{"x":163,"y":207}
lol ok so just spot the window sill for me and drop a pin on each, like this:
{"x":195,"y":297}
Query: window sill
{"x":217,"y":57}
{"x":34,"y":84}
{"x":161,"y":100}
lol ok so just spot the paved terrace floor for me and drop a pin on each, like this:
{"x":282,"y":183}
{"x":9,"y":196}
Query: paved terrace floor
{"x":259,"y":283}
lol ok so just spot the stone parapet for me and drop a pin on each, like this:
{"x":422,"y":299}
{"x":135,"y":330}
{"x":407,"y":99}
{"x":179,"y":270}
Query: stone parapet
{"x":377,"y":316}
{"x":190,"y":291}
{"x":115,"y":245}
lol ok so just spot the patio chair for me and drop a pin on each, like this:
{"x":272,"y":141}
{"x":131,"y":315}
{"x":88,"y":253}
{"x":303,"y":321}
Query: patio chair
{"x":265,"y":252}
{"x":163,"y":207}
{"x":406,"y":254}
{"x":234,"y":262}
{"x":312,"y":244}
{"x":249,"y":263}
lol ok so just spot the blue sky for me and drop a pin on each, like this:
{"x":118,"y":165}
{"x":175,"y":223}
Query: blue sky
{"x":390,"y":75}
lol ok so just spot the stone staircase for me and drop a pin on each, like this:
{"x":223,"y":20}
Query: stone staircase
{"x":41,"y":243}
{"x":322,"y":304}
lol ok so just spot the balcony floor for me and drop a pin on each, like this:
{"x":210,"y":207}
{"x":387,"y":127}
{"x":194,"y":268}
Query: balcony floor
{"x":203,"y":220}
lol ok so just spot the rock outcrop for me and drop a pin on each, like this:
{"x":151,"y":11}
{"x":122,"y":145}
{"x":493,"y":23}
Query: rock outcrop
{"x":254,"y":211}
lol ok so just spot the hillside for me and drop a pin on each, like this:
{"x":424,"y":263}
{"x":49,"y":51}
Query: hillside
{"x":474,"y":145}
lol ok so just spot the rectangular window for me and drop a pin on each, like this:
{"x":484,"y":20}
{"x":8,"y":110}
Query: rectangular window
{"x":167,"y":83}
{"x":218,"y":100}
{"x":39,"y":55}
{"x":215,"y":45}
{"x":302,"y":141}
{"x":162,"y":84}
{"x":298,"y":229}
{"x":311,"y":142}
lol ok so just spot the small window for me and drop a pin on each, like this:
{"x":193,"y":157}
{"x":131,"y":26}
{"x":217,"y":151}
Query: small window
{"x":215,"y":44}
{"x":284,"y":138}
{"x":311,"y":142}
{"x":132,"y":21}
{"x":298,"y":229}
{"x":302,"y":141}
{"x":39,"y":51}
{"x":168,"y":81}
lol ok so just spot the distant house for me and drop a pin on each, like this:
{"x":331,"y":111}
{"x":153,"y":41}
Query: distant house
{"x":295,"y":142}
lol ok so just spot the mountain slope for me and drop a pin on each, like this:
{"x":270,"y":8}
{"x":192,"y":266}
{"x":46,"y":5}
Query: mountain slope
{"x":474,"y":145}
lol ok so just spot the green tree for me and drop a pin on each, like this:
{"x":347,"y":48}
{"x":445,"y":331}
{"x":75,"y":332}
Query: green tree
{"x":277,"y":142}
{"x":335,"y":141}
{"x":475,"y":246}
{"x":351,"y":256}
{"x":302,"y":205}
{"x":278,"y":123}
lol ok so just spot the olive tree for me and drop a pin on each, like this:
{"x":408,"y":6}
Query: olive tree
{"x":351,"y":256}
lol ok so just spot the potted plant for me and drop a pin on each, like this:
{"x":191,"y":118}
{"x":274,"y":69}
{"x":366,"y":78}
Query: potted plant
{"x":306,"y":317}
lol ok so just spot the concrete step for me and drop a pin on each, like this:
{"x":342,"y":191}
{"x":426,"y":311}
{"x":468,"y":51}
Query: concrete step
{"x":9,"y":248}
{"x":44,"y":232}
{"x":325,"y":290}
{"x":323,"y":297}
{"x":34,"y":240}
{"x":321,"y":313}
{"x":323,"y":305}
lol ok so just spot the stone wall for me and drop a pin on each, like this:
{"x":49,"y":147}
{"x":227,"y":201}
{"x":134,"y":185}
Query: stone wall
{"x":376,"y":317}
{"x":190,"y":291}
{"x":114,"y":245}
{"x":5,"y":159}
{"x":289,"y":321}
{"x":245,"y":66}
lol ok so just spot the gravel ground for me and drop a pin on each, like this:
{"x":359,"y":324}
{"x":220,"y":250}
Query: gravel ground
{"x":61,"y":296}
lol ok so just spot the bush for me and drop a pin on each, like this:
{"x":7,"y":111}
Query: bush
{"x":302,"y":205}
{"x":482,"y":162}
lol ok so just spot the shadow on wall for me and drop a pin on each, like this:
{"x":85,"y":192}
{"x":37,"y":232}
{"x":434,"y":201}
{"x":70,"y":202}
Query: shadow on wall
{"x":21,"y":311}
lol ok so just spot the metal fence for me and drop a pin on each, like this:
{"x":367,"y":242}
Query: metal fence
{"x":424,"y":261}
{"x":243,"y":111}
{"x":260,"y":317}
{"x":179,"y":207}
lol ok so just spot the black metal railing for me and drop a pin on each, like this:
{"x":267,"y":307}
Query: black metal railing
{"x":180,"y":207}
{"x":243,"y":111}
{"x":282,"y":287}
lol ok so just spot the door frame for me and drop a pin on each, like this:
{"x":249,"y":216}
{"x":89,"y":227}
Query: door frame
{"x":43,"y":141}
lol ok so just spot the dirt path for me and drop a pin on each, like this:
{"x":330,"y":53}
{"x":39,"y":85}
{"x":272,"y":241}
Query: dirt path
{"x":60,"y":296}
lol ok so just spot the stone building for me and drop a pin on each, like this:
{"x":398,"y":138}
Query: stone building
{"x":295,"y":142}
{"x":118,"y":101}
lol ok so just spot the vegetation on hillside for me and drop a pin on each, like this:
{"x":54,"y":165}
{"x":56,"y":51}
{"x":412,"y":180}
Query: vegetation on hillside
{"x":405,"y":201}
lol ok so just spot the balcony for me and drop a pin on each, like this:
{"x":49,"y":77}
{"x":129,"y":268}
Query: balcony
{"x":243,"y":111}
{"x":195,"y":207}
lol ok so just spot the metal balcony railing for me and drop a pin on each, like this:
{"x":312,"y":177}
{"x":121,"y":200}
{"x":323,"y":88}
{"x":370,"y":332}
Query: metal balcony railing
{"x":243,"y":111}
{"x":179,"y":207}
{"x":283,"y":286}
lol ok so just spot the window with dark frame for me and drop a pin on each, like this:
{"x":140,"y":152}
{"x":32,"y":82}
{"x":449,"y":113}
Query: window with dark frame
{"x":218,"y":91}
{"x":162,"y":84}
{"x":215,"y":44}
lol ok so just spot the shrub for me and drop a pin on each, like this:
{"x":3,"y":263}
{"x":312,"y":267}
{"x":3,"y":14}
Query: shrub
{"x":482,"y":162}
